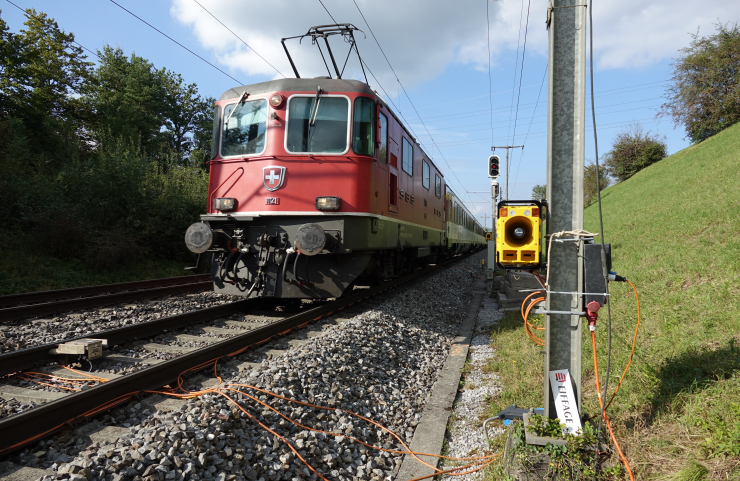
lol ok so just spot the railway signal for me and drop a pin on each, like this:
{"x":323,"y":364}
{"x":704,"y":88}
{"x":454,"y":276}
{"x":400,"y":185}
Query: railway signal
{"x":493,"y":166}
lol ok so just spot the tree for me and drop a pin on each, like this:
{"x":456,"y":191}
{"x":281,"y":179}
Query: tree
{"x":539,"y":192}
{"x":127,"y":96}
{"x":705,"y":95}
{"x":633,"y":150}
{"x":42,"y":75}
{"x":589,"y":183}
{"x":156,"y":108}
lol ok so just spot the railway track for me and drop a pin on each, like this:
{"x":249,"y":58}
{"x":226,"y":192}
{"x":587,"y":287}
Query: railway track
{"x":33,"y":304}
{"x":55,"y":415}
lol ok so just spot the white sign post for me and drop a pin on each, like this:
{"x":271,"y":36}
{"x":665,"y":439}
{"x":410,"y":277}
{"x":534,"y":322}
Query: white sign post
{"x":565,"y":400}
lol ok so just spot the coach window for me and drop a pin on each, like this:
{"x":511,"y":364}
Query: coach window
{"x":408,"y":157}
{"x":317,"y":125}
{"x":245,"y":126}
{"x":383,"y":150}
{"x":216,"y":126}
{"x":438,"y":186}
{"x":425,"y":174}
{"x":363,"y":131}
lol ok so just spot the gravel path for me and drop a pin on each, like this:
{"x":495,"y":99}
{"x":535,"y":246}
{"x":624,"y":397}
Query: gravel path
{"x":466,"y":437}
{"x":381,"y":364}
{"x":44,"y":331}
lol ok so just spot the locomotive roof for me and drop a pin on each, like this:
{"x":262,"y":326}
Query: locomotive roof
{"x":300,"y":85}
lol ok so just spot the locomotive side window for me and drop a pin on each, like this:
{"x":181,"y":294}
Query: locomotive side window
{"x":408,"y":157}
{"x":383,"y":151}
{"x":317,"y":125}
{"x":245,"y":126}
{"x":425,"y":174}
{"x":437,"y":186}
{"x":216,"y":126}
{"x":363,"y":127}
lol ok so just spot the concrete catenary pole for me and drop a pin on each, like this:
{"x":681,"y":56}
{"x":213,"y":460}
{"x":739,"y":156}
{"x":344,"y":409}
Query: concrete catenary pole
{"x":565,"y":159}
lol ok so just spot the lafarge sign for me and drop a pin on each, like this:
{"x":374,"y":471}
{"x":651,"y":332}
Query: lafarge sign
{"x":565,"y":400}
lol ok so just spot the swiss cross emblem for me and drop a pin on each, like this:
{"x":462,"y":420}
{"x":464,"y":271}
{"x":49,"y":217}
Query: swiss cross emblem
{"x":273,"y":177}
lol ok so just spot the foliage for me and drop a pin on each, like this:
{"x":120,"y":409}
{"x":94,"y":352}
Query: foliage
{"x":574,"y":460}
{"x":590,"y":184}
{"x":539,"y":192}
{"x":102,"y":166}
{"x":42,"y":75}
{"x":134,"y":100}
{"x":633,"y":150}
{"x":705,"y":95}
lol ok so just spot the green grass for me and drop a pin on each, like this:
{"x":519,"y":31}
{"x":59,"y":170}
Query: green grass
{"x":29,"y":270}
{"x":675,"y":233}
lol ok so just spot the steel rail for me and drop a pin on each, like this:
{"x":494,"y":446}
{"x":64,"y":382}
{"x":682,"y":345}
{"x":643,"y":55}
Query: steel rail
{"x":25,"y":428}
{"x":59,"y":294}
{"x":9,"y":314}
{"x":16,"y":361}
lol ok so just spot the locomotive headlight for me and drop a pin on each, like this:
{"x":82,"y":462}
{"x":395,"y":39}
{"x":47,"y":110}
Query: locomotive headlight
{"x":519,"y":232}
{"x":276,"y":100}
{"x":224,"y":204}
{"x":328,"y":203}
{"x":526,"y":212}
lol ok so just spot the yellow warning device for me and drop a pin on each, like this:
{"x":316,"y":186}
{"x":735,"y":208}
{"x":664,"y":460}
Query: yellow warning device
{"x":518,"y":234}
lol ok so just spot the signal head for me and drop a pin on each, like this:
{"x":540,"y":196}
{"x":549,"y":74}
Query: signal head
{"x":493,"y":166}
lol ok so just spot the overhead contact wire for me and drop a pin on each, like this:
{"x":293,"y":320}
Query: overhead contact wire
{"x":240,"y":39}
{"x":173,"y":40}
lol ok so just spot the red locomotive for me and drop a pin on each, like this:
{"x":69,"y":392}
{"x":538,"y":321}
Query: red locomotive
{"x":315,"y":183}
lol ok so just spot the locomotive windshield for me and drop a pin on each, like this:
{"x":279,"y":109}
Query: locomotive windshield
{"x":244,"y":129}
{"x":317,"y":125}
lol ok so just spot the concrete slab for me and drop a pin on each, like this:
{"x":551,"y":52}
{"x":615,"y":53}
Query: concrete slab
{"x":166,"y":404}
{"x":189,"y":338}
{"x":24,"y":395}
{"x":154,"y":347}
{"x":61,"y":372}
{"x":13,"y":472}
{"x":222,"y":331}
{"x":124,"y":360}
{"x":246,"y":324}
{"x":430,"y":433}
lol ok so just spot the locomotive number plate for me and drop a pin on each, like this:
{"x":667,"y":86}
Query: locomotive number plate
{"x":272,"y":200}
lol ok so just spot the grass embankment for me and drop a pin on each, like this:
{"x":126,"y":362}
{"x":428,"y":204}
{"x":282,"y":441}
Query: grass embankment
{"x":675,"y":233}
{"x":29,"y":270}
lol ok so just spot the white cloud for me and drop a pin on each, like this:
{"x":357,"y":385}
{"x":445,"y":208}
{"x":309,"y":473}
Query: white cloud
{"x":421,"y":39}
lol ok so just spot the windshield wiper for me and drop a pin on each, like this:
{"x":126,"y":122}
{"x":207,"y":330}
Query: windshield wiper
{"x":244,"y":96}
{"x":312,"y":116}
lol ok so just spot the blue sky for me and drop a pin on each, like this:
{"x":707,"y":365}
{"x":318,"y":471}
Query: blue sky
{"x":439,"y":52}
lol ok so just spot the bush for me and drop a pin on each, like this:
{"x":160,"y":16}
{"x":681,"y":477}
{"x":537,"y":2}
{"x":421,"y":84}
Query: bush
{"x":633,"y":150}
{"x":705,"y":95}
{"x":589,"y":183}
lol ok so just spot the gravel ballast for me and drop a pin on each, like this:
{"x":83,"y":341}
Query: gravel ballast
{"x":382,"y":364}
{"x":465,"y":435}
{"x":37,"y":332}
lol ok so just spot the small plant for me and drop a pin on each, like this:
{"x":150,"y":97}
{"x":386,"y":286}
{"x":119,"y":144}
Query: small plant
{"x":575,"y":460}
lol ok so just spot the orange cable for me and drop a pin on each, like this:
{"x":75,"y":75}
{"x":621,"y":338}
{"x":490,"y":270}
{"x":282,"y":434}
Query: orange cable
{"x":603,"y":411}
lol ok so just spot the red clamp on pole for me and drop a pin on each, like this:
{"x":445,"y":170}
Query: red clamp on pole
{"x":592,"y":313}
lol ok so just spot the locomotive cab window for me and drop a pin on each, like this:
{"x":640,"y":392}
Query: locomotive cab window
{"x":363,"y":127}
{"x":317,"y":125}
{"x":244,"y":128}
{"x":425,"y":174}
{"x":383,"y":150}
{"x":216,"y":127}
{"x":437,"y":186}
{"x":408,"y":157}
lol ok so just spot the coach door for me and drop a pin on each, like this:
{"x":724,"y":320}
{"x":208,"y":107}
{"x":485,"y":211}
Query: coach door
{"x":387,"y":147}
